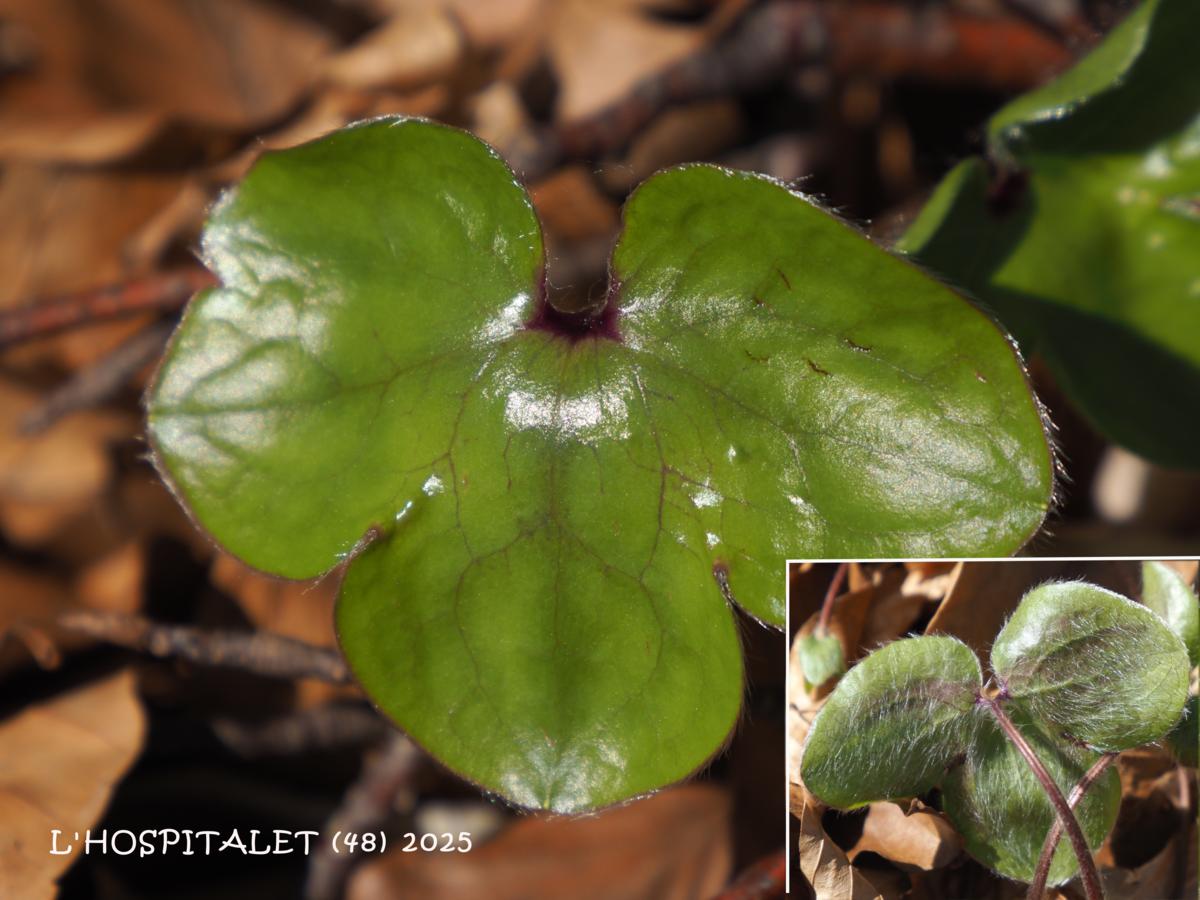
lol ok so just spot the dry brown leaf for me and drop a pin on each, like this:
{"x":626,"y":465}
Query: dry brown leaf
{"x":572,"y":208}
{"x":898,"y":603}
{"x":601,"y":51}
{"x":499,"y":117}
{"x":48,"y":478}
{"x":297,"y":609}
{"x":27,"y":599}
{"x":237,"y":64}
{"x":923,"y":839}
{"x":674,"y":845}
{"x":1160,"y":877}
{"x":415,"y":48}
{"x":679,"y":135}
{"x":114,"y":583}
{"x":486,"y":23}
{"x":984,"y":594}
{"x":72,"y":230}
{"x":802,"y":708}
{"x":80,"y":138}
{"x":59,"y":761}
{"x":824,"y":865}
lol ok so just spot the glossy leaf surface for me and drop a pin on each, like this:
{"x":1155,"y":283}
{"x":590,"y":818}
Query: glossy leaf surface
{"x":553,"y":509}
{"x":1165,"y":592}
{"x":1087,"y":248}
{"x":894,"y":723}
{"x":998,"y":806}
{"x":1103,"y":668}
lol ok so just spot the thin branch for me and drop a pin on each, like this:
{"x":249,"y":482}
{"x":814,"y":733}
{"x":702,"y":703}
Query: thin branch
{"x":1037,"y":887}
{"x":830,"y":595}
{"x":1087,"y":865}
{"x":763,"y":880}
{"x":160,"y":292}
{"x":100,"y":381}
{"x":365,"y":809}
{"x":258,"y":652}
{"x":303,"y":731}
{"x":880,"y":39}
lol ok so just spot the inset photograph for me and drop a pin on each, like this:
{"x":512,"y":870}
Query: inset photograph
{"x":993,"y":729}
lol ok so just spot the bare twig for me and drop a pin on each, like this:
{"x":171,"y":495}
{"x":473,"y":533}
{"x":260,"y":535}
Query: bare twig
{"x":161,"y":292}
{"x":883,"y":39}
{"x":763,"y":880}
{"x":100,"y":381}
{"x":1037,"y":887}
{"x":1087,"y":865}
{"x":364,"y":810}
{"x":259,"y":652}
{"x":321,"y":728}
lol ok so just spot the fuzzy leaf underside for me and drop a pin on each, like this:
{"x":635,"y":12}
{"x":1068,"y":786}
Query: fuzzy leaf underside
{"x":821,"y":658}
{"x":551,"y":516}
{"x":894,"y":723}
{"x":1089,"y":254}
{"x":998,"y":806}
{"x":1106,"y":670}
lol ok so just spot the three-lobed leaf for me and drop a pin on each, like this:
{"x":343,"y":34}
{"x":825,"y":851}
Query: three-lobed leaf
{"x":544,"y":517}
{"x":1165,"y":592}
{"x":1086,"y":247}
{"x":1095,"y":664}
{"x":1001,"y":810}
{"x":894,"y":723}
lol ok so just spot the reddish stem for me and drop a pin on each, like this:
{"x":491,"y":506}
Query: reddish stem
{"x":1087,"y":866}
{"x":1037,"y":887}
{"x":830,"y":595}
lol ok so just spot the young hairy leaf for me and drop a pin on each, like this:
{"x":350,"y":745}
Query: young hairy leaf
{"x":821,"y":658}
{"x":894,"y":723}
{"x":1184,"y":739}
{"x":1096,"y":665}
{"x":1085,"y":242}
{"x":545,"y":514}
{"x":1165,"y":592}
{"x":1001,"y":810}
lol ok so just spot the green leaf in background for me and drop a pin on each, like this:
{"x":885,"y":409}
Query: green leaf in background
{"x":998,"y":806}
{"x":894,"y":723}
{"x":821,"y":658}
{"x":1087,"y":241}
{"x":1184,"y":738}
{"x":1105,"y":669}
{"x":1165,"y":592}
{"x":546,"y":514}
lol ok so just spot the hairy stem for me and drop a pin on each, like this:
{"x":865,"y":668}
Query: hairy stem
{"x":830,"y":595}
{"x":1087,"y":866}
{"x":1037,"y":887}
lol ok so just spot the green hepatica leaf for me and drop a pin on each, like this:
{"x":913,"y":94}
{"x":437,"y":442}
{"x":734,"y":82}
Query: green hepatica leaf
{"x":1184,"y":738}
{"x":996,"y":803}
{"x":1088,"y":249}
{"x":821,"y":658}
{"x":894,"y":723}
{"x":545,"y":514}
{"x":1095,"y":664}
{"x":1165,"y":592}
